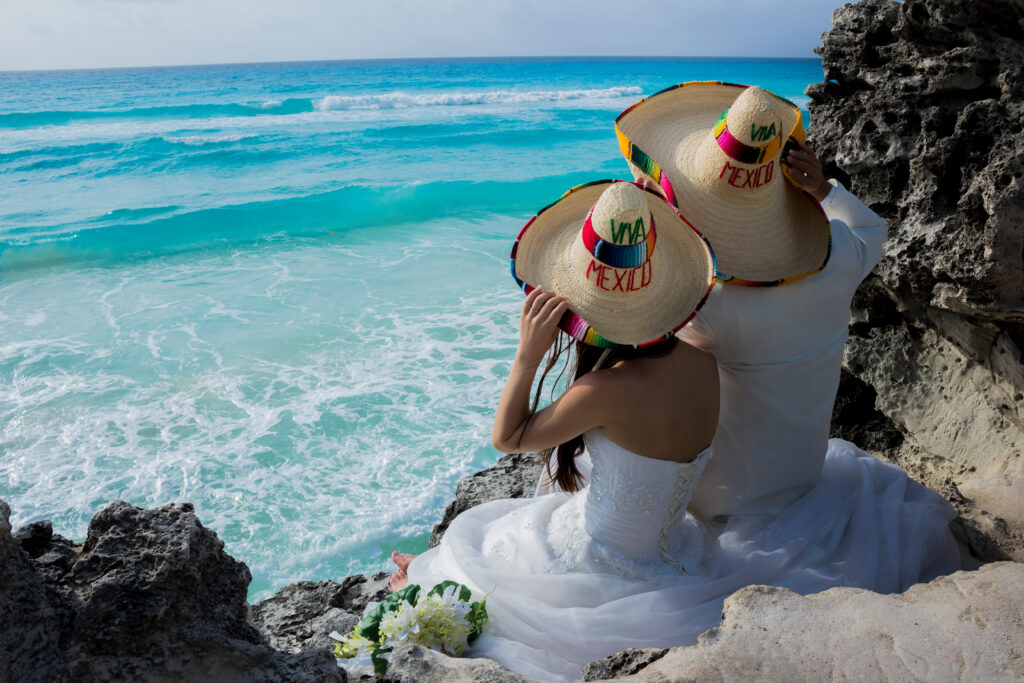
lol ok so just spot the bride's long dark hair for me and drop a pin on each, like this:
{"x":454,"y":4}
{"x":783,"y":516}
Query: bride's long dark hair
{"x":582,"y":358}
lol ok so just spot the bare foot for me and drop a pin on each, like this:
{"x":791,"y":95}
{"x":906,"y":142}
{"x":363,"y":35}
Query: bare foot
{"x":401,"y":577}
{"x":402,"y":560}
{"x":398,"y":580}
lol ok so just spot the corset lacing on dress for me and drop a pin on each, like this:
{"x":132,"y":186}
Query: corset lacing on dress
{"x":686,"y":484}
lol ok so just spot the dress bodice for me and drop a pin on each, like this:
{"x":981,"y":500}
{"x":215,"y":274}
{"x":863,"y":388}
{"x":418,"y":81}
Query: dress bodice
{"x":633,"y":502}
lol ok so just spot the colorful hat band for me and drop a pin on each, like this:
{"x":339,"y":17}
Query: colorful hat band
{"x":618,"y":255}
{"x":646,"y":164}
{"x":578,"y":328}
{"x":742,"y":152}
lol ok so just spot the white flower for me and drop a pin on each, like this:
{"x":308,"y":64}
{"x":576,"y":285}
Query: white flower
{"x":396,"y":627}
{"x":450,"y":597}
{"x":443,"y":623}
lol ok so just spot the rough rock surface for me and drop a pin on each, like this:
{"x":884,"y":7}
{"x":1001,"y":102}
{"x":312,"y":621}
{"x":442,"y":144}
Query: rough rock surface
{"x":150,"y":595}
{"x":921,"y":115}
{"x":300,"y":617}
{"x":30,"y":650}
{"x":513,"y":476}
{"x":625,"y":663}
{"x":964,"y":627}
{"x":415,"y":664}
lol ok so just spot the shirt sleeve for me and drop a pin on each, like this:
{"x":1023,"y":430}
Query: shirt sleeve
{"x":869,"y":229}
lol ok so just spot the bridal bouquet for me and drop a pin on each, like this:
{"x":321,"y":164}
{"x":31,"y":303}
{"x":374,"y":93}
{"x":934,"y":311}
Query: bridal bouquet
{"x":444,"y":619}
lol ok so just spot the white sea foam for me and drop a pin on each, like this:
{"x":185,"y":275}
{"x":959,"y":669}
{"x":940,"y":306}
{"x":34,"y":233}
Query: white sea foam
{"x":350,"y":109}
{"x":398,"y":99}
{"x":317,"y":403}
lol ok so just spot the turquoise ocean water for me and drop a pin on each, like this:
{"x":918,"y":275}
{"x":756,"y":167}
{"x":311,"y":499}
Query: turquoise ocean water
{"x":281,"y":291}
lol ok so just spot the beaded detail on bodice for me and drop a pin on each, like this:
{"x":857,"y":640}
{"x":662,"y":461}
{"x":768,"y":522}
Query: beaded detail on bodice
{"x":634,"y":502}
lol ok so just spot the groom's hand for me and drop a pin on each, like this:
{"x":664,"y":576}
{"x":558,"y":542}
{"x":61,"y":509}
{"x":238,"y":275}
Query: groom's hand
{"x":805,"y":170}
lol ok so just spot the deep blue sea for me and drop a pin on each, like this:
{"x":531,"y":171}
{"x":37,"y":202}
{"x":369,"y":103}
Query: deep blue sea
{"x":281,"y":291}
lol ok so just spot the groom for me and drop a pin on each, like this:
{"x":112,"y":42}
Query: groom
{"x":777,"y":320}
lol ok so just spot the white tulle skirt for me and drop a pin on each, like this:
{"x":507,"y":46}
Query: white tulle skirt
{"x":561,"y":600}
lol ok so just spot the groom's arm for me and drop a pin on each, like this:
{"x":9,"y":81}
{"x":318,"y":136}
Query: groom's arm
{"x":869,"y":229}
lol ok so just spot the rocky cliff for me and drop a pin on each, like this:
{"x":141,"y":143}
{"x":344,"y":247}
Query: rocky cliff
{"x":921,"y":115}
{"x":149,"y":596}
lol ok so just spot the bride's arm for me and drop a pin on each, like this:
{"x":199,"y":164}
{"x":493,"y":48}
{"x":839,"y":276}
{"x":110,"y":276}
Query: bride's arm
{"x":575,"y":411}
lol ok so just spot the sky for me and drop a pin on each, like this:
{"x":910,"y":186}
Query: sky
{"x":61,"y":34}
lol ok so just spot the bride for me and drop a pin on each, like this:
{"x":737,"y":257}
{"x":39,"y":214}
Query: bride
{"x":584,"y":572}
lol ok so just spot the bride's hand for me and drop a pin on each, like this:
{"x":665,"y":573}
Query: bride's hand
{"x":538,"y":324}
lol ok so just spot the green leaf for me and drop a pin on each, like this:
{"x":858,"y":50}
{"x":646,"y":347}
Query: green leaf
{"x":410,"y":594}
{"x":380,"y":665}
{"x":369,"y":627}
{"x":477,"y":617}
{"x":465,"y":595}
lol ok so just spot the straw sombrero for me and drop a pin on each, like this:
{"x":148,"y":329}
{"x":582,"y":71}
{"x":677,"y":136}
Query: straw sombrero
{"x":714,"y":151}
{"x":633,"y":269}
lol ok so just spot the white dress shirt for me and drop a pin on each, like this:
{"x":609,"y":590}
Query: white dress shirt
{"x":779,"y":353}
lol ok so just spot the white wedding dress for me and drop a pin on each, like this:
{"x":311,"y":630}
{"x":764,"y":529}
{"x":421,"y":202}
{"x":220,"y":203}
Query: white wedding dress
{"x":622,"y":564}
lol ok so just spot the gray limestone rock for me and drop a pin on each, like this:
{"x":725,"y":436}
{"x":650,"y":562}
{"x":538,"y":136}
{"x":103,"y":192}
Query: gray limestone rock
{"x":300,"y":617}
{"x":416,"y":664}
{"x":855,"y":419}
{"x":32,"y":614}
{"x":625,"y":663}
{"x":964,"y":627}
{"x":150,"y":595}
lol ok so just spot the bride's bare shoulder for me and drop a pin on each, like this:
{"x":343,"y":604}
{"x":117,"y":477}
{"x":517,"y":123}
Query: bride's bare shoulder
{"x":683,"y":363}
{"x":696,"y":359}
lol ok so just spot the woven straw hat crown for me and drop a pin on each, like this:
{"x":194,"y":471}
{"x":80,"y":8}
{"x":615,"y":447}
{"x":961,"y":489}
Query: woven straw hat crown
{"x":621,"y":215}
{"x":620,"y":218}
{"x":755,"y":121}
{"x":755,"y":118}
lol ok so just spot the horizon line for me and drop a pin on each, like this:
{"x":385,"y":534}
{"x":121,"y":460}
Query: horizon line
{"x":492,"y":58}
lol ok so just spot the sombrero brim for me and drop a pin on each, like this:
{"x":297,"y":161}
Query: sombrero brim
{"x":778,"y":236}
{"x":682,"y":272}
